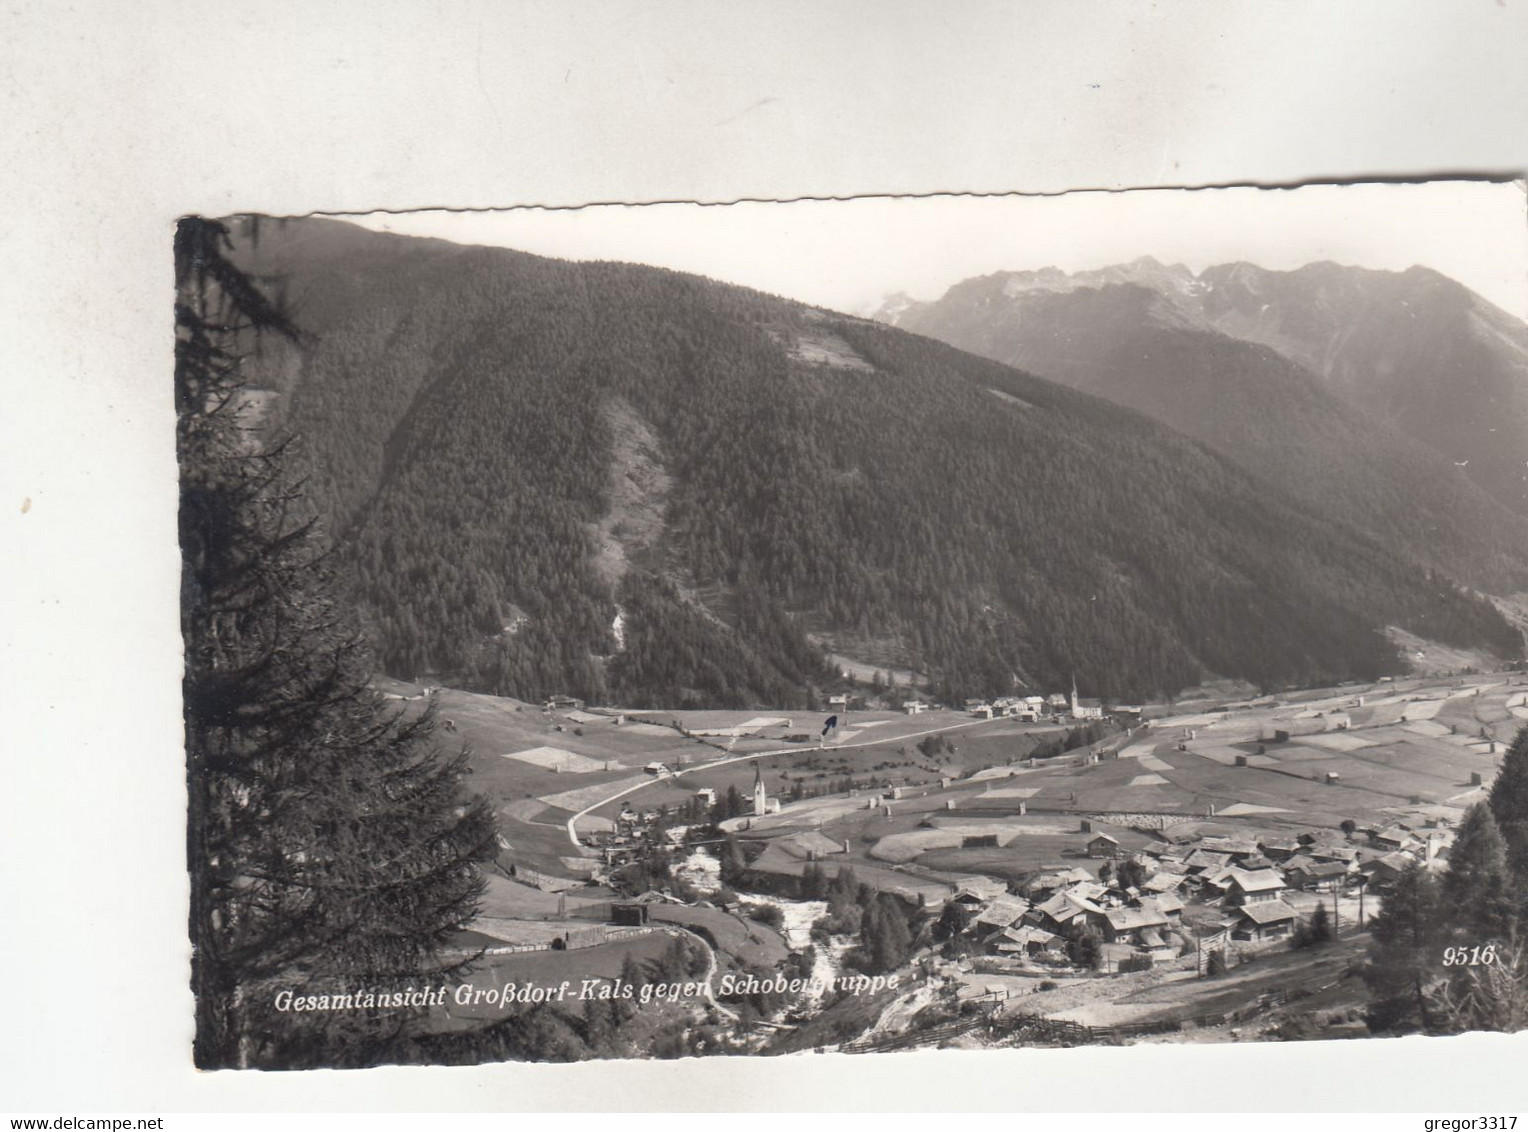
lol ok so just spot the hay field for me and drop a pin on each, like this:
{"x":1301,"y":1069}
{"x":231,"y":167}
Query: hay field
{"x":561,"y":761}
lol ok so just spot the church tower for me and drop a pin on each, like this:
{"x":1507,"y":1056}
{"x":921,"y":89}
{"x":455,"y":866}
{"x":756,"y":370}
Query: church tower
{"x":760,"y":801}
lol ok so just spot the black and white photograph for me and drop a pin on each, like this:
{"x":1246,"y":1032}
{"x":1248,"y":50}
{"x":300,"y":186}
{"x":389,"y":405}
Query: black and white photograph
{"x":652,"y":556}
{"x":855,"y":626}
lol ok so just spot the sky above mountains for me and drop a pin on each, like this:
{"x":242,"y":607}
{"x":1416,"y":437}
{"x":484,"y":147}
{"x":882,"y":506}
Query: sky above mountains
{"x":849,"y":255}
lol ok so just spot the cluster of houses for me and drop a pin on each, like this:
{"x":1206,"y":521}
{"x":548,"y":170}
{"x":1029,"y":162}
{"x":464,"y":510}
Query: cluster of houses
{"x":1026,"y":709}
{"x":1053,"y":909}
{"x":1032,"y":709}
{"x":1234,"y":889}
{"x":1029,"y":709}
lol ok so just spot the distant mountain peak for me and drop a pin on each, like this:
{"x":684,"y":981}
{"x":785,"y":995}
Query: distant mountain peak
{"x":891,"y":308}
{"x":1415,"y":349}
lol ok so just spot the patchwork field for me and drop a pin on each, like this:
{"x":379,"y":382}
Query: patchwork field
{"x":563,"y":762}
{"x":1312,"y":759}
{"x":1414,"y":748}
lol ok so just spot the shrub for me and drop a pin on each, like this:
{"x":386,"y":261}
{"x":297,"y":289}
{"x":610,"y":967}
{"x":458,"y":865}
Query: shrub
{"x":768,"y":914}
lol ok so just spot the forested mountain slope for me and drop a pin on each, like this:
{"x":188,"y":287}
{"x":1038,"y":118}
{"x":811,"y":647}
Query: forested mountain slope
{"x":625,"y":482}
{"x":1145,"y":335}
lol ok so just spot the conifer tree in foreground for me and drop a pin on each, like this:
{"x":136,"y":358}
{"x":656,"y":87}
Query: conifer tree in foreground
{"x":1478,"y":891}
{"x":1486,"y":898}
{"x":1449,"y":952}
{"x":330,"y":844}
{"x":1405,"y":957}
{"x":1509,"y":806}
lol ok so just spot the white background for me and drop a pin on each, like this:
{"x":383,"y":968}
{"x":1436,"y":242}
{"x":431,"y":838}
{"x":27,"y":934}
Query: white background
{"x":117,"y":117}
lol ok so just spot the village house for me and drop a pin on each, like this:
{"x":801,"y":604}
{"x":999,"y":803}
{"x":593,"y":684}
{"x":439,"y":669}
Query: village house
{"x":1393,"y":839}
{"x":972,"y":903}
{"x":1323,"y":837}
{"x":914,"y":707}
{"x":1170,"y":904}
{"x":1279,"y":848}
{"x":1102,"y":845}
{"x":1204,"y":862}
{"x":1253,"y":887}
{"x":1214,"y":885}
{"x":1015,"y":707}
{"x":1026,"y":940}
{"x":813,"y":844}
{"x":1381,"y":873}
{"x":1065,"y":913}
{"x":1160,"y":882}
{"x":1264,"y":920}
{"x":1125,"y":925}
{"x":1004,"y":912}
{"x":1347,"y":854}
{"x":1307,"y":875}
{"x":1042,"y":884}
{"x":982,"y":888}
{"x":1155,"y":945}
{"x":1089,"y":890}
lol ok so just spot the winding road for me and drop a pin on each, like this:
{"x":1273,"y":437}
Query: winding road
{"x":791,"y":750}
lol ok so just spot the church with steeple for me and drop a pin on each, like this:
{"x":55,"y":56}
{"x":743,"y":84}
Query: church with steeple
{"x":760,"y":799}
{"x":1085,"y":709}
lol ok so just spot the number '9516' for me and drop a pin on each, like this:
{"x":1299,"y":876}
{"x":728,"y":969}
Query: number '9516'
{"x":1470,"y":956}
